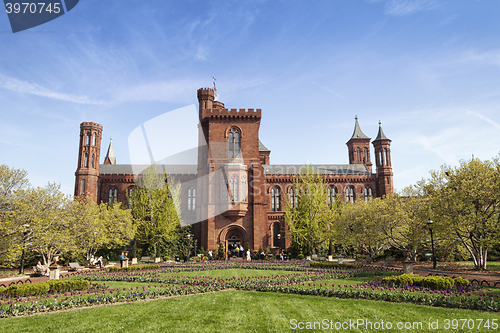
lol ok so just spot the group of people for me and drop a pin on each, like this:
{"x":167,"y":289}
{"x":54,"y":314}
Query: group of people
{"x":238,"y":251}
{"x":96,"y":262}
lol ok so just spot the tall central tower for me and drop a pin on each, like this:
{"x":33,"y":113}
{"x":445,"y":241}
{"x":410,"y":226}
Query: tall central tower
{"x":87,"y":171}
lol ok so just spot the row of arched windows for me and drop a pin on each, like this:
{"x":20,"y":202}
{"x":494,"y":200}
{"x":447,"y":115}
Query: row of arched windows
{"x":237,"y":190}
{"x":366,"y":156}
{"x":332,"y":193}
{"x":87,"y":139}
{"x":86,"y":161}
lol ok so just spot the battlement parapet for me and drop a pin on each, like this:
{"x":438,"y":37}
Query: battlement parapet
{"x":90,"y":124}
{"x":230,"y":113}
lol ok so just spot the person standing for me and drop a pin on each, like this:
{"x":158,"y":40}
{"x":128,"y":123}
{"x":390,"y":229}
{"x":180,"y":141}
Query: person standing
{"x":242,"y":251}
{"x":122,"y":259}
{"x":210,"y":255}
{"x":248,"y":255}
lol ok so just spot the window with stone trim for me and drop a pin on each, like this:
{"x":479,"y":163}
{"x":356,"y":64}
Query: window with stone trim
{"x":358,"y":155}
{"x":87,"y":139}
{"x":130,"y":192}
{"x":224,"y":190}
{"x":92,"y":160}
{"x":94,"y":139}
{"x":368,"y":194}
{"x":112,"y":195}
{"x":365,"y":156}
{"x":332,"y":195}
{"x":244,"y":189}
{"x":86,"y":161}
{"x":82,"y":187}
{"x":191,"y":199}
{"x":233,"y":183}
{"x":234,"y":143}
{"x":276,"y":232}
{"x":293,"y":197}
{"x":349,"y":194}
{"x":275,"y":199}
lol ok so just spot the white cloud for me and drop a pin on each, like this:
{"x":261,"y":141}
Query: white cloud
{"x":16,"y":85}
{"x":480,"y":116}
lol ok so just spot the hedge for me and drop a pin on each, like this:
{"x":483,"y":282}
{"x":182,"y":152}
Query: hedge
{"x":21,"y":290}
{"x":437,"y":282}
{"x":331,"y":264}
{"x":133,"y":268}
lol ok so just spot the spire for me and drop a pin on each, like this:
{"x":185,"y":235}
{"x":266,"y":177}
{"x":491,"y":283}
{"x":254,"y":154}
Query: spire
{"x":110,"y":155}
{"x":358,"y":133}
{"x":380,"y":135}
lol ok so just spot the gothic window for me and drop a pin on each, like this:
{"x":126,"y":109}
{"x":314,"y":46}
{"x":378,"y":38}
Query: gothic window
{"x":381,"y":161}
{"x":87,"y":140}
{"x":86,"y":162}
{"x":365,"y":155}
{"x":130,"y":196}
{"x":93,"y":139}
{"x":358,"y":155}
{"x":368,"y":194}
{"x":224,"y":190}
{"x":293,"y":198}
{"x":349,"y":194}
{"x":112,"y":196}
{"x":191,"y":202}
{"x":234,"y":143}
{"x":276,"y":232}
{"x":275,"y":199}
{"x":243,"y":189}
{"x":386,"y":159}
{"x":82,"y":187}
{"x":234,"y":189}
{"x":92,"y":161}
{"x":332,"y":194}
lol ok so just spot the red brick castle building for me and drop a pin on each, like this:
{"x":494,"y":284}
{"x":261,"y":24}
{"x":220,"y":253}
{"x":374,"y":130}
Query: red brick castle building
{"x":234,"y":195}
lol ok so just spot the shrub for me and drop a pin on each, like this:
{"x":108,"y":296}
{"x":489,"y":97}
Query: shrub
{"x":300,"y":256}
{"x":133,"y":268}
{"x":23,"y":290}
{"x":436,"y":282}
{"x":461,"y":281}
{"x":2,"y":289}
{"x":330,"y":264}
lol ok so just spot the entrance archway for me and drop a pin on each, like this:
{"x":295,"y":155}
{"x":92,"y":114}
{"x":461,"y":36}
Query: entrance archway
{"x":232,"y":237}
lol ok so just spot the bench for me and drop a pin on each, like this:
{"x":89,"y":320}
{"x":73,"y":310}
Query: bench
{"x":388,"y":261}
{"x":74,"y":266}
{"x":147,"y":259}
{"x":368,"y":259}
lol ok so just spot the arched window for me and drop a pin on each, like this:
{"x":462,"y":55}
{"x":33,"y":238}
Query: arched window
{"x":276,"y":232}
{"x":86,"y":162}
{"x":381,"y":161}
{"x":234,"y":189}
{"x":275,"y":199}
{"x":244,"y":189}
{"x":332,"y":194}
{"x":82,"y":187}
{"x":368,"y":194}
{"x":358,"y":155}
{"x":233,"y":143}
{"x":130,"y":197}
{"x":93,"y":139}
{"x":113,"y":196}
{"x":191,"y":202}
{"x":365,"y":155}
{"x":293,"y":197}
{"x":349,"y":194}
{"x":87,"y":139}
{"x":386,"y":159}
{"x":92,"y":161}
{"x":224,"y":190}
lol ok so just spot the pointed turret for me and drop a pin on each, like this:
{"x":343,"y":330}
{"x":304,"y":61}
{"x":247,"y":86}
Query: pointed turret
{"x":382,"y":145}
{"x":358,"y":133}
{"x":359,"y":147}
{"x":110,"y":155}
{"x":380,"y":135}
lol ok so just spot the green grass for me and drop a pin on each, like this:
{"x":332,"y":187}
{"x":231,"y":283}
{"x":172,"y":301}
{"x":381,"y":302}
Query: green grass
{"x":238,"y":311}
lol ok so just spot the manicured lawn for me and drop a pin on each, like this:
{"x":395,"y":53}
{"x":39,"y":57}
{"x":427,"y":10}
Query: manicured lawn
{"x":238,"y":311}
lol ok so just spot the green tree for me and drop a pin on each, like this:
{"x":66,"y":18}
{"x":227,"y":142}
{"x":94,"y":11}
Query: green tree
{"x":155,"y":202}
{"x":465,"y":203}
{"x":100,"y":226}
{"x":311,"y":219}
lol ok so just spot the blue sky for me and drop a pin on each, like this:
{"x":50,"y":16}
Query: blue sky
{"x":428,"y":69}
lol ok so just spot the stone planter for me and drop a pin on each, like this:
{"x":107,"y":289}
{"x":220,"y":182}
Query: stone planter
{"x":134,"y":261}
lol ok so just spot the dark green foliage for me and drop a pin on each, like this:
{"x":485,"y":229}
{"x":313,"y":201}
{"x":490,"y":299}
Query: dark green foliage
{"x":22,"y":290}
{"x":435,"y":282}
{"x":133,"y":268}
{"x":331,"y":264}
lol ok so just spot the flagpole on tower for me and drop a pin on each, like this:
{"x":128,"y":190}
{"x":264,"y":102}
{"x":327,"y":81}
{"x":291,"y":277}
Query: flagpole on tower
{"x":216,"y":96}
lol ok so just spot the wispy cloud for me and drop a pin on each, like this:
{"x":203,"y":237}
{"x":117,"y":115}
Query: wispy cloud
{"x":16,"y":85}
{"x":406,"y":7}
{"x":480,"y":116}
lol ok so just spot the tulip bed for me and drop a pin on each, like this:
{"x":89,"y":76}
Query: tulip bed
{"x":297,"y":278}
